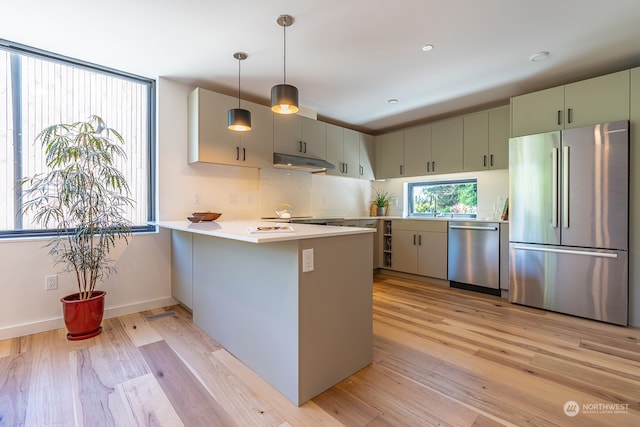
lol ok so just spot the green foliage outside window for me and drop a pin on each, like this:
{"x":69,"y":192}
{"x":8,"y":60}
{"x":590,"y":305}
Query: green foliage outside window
{"x":443,"y":198}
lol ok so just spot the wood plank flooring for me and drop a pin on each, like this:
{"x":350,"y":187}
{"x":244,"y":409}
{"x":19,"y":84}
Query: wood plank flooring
{"x":441,"y":357}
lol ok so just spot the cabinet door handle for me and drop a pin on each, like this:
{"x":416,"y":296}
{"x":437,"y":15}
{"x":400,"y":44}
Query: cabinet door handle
{"x":244,"y":154}
{"x":484,"y":160}
{"x":433,"y":166}
{"x":237,"y":153}
{"x":305,"y":147}
{"x":419,"y":239}
{"x":299,"y":146}
{"x":346,"y":168}
{"x":401,"y":170}
{"x":569,"y":115}
{"x":361,"y":170}
{"x":491,"y":160}
{"x":559,"y":117}
{"x":428,"y":166}
{"x":414,"y":240}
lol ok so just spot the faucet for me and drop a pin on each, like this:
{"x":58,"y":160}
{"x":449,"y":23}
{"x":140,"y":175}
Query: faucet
{"x":435,"y":205}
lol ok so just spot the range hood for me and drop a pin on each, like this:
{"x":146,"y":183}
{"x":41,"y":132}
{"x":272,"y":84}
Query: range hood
{"x":307,"y":164}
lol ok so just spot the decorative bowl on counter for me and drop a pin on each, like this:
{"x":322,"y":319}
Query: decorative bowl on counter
{"x":195,"y":218}
{"x":206,"y":216}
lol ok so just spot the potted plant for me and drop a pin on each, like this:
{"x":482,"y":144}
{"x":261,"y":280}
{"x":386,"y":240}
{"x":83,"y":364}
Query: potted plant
{"x":82,"y":196}
{"x":381,"y":200}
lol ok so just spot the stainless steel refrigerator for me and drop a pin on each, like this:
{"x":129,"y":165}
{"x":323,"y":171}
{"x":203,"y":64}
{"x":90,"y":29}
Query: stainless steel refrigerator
{"x":568,"y":221}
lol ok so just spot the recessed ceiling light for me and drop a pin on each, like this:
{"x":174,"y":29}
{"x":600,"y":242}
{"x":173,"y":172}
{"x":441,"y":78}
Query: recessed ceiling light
{"x":393,"y":101}
{"x":539,"y":56}
{"x":427,"y":47}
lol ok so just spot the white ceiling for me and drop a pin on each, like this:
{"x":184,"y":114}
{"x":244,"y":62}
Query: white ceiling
{"x":347,"y":57}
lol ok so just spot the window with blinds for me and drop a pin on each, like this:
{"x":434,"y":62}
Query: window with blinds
{"x":38,"y":89}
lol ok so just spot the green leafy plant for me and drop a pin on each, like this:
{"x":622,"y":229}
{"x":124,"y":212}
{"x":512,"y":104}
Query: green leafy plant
{"x":382,"y":198}
{"x":82,"y":196}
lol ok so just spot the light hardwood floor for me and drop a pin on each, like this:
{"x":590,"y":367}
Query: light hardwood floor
{"x":441,"y":357}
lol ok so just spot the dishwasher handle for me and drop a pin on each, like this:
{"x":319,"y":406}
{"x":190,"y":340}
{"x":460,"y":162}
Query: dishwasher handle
{"x":473,"y":227}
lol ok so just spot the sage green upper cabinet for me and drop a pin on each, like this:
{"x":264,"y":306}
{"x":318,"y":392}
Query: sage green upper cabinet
{"x":634,"y":116}
{"x":499,"y":126}
{"x":257,"y":144}
{"x":417,"y":151}
{"x":351,"y":153}
{"x":299,"y":136}
{"x":537,"y":112}
{"x":486,"y":140}
{"x":211,"y":141}
{"x":447,"y":146}
{"x":335,"y":147}
{"x":389,"y":155}
{"x":476,"y":141}
{"x":343,"y":150}
{"x":367,"y":154}
{"x":597,"y":100}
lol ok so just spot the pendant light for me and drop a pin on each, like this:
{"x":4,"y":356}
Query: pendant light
{"x":239,"y":119}
{"x":284,"y":97}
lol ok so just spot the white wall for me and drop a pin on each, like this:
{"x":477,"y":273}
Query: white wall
{"x":142,"y":283}
{"x":232,"y":190}
{"x":313,"y":194}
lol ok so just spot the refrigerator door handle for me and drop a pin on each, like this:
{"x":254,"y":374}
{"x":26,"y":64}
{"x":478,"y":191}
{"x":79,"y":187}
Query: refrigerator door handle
{"x":554,"y":188}
{"x":565,"y":186}
{"x":567,"y":251}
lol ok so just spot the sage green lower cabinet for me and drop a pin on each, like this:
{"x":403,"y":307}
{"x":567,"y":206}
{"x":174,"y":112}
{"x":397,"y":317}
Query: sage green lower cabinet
{"x":420,"y":247}
{"x":301,"y":330}
{"x":181,"y":267}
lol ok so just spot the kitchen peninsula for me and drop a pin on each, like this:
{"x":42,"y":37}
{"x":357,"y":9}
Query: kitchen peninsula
{"x":295,"y":307}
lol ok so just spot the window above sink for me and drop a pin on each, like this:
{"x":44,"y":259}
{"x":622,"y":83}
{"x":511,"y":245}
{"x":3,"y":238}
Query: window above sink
{"x":450,"y":199}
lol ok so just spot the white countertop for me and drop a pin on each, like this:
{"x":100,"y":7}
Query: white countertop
{"x":239,"y":230}
{"x":429,"y":218}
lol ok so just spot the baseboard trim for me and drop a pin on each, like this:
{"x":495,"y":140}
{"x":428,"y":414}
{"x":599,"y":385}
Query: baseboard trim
{"x":57,"y":322}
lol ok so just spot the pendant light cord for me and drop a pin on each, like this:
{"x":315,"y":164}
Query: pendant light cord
{"x":239,"y":61}
{"x":284,"y":29}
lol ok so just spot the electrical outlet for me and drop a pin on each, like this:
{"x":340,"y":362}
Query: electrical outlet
{"x":51,"y":282}
{"x":307,"y":260}
{"x":196,"y":198}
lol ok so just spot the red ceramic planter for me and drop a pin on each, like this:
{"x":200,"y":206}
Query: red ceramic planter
{"x":83,"y":317}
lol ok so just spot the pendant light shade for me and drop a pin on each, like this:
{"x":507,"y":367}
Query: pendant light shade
{"x":284,"y":97}
{"x":239,"y":119}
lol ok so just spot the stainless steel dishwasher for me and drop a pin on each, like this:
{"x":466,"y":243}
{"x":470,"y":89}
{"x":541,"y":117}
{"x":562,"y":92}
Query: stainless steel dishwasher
{"x":474,"y":255}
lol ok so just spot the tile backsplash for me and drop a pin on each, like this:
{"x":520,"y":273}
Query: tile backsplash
{"x":313,"y":194}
